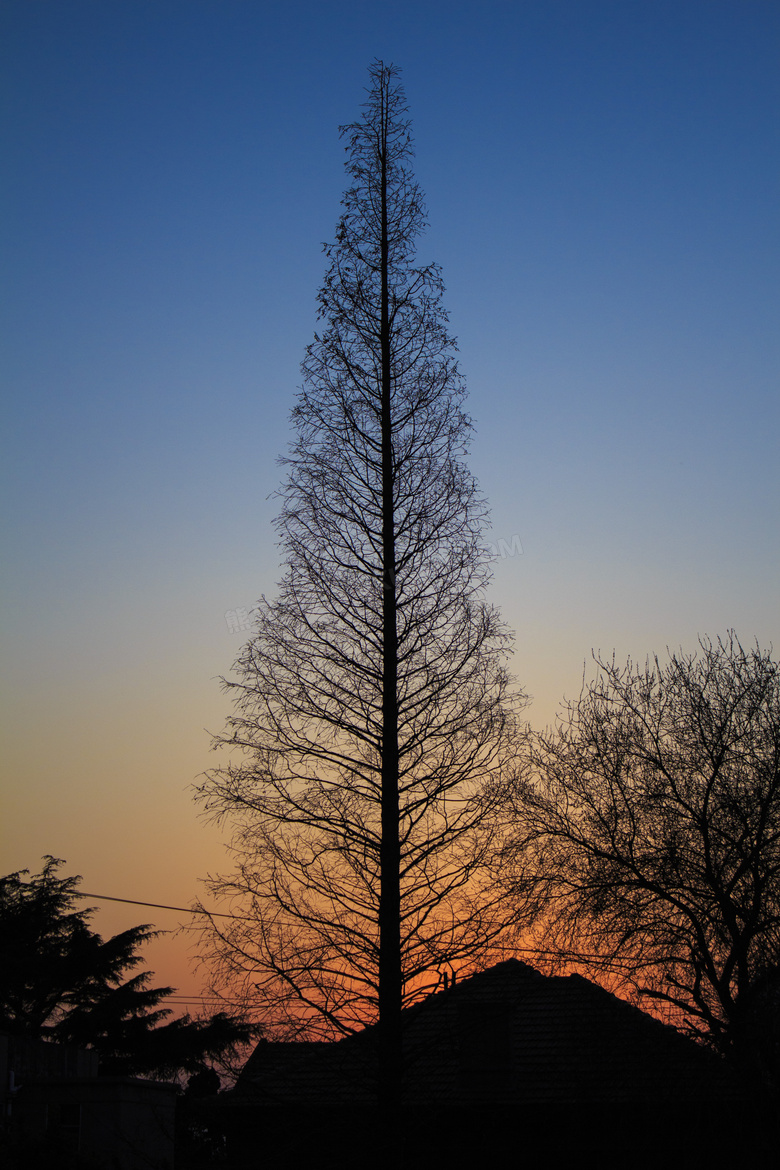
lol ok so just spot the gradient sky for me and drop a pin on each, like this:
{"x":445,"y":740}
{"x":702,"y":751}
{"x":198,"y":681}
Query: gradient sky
{"x":601,"y":178}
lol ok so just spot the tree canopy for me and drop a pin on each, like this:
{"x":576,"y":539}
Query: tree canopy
{"x":61,"y":981}
{"x":652,"y":817}
{"x":373,"y":713}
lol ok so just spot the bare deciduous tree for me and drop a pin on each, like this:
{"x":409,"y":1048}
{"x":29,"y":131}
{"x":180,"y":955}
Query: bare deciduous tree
{"x":652,"y":813}
{"x":372,"y":707}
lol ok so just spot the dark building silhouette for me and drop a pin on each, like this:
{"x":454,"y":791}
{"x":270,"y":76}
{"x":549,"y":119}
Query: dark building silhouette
{"x":58,"y":1113}
{"x":507,"y":1059}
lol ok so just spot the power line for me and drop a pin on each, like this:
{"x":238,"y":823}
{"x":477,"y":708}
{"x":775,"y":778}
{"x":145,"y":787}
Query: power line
{"x":160,"y":906}
{"x":203,"y":1000}
{"x":571,"y":956}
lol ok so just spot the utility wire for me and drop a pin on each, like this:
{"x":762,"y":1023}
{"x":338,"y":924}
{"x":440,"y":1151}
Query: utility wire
{"x":572,"y":955}
{"x":160,"y":906}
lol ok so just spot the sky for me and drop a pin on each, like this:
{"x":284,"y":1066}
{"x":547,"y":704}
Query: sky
{"x":601,"y":179}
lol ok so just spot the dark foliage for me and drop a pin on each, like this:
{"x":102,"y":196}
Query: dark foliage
{"x":61,"y":981}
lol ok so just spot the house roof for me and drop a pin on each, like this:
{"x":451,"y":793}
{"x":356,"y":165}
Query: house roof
{"x":504,"y":1034}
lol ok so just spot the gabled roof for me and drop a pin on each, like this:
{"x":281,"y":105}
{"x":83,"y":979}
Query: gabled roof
{"x":505,"y":1034}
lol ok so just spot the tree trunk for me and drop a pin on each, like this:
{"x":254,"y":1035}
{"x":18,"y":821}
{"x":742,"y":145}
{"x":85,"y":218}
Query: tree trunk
{"x":390,"y":978}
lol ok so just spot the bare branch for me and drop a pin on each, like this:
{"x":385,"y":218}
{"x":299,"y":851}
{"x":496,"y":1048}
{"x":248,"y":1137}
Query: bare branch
{"x":374,"y":722}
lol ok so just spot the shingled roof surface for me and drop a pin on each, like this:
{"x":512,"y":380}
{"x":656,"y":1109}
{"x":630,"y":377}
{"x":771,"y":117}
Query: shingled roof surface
{"x":503,"y":1035}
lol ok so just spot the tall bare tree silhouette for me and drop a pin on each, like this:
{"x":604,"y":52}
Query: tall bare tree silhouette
{"x":372,"y":707}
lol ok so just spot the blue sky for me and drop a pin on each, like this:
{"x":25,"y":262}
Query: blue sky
{"x":601,"y":179}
